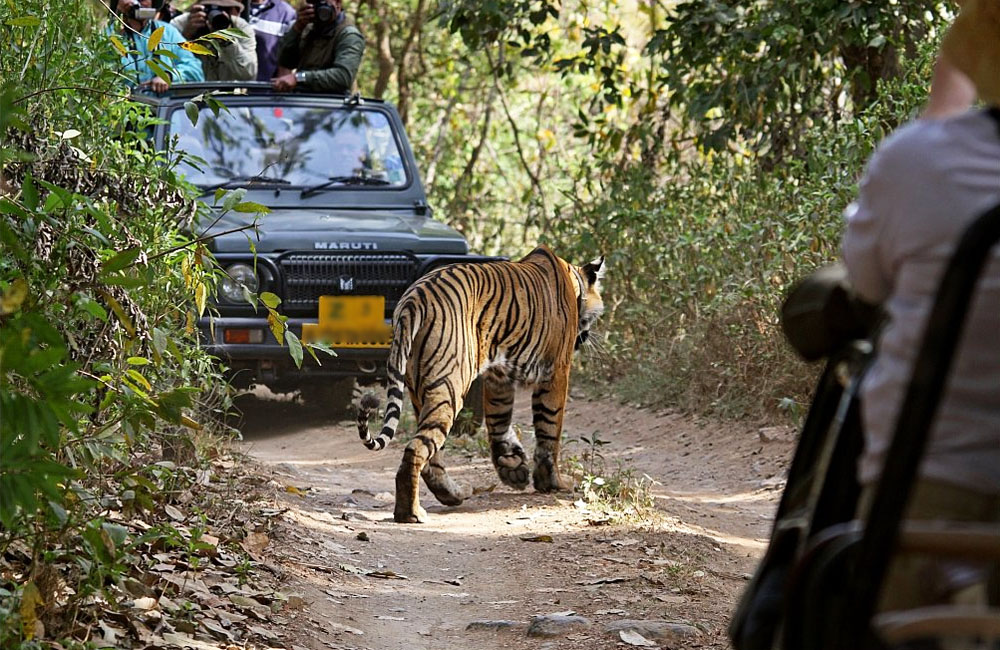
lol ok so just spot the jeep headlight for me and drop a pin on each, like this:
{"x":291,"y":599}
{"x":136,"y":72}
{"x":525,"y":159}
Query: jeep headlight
{"x":237,"y":277}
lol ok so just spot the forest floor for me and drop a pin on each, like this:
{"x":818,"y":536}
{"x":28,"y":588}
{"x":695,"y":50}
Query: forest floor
{"x":472,"y":578}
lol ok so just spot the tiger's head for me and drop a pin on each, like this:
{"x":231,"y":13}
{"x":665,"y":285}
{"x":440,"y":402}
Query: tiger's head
{"x":591,"y":306}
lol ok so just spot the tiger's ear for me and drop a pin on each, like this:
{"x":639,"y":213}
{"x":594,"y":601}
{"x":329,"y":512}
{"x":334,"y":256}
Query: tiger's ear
{"x":594,"y":270}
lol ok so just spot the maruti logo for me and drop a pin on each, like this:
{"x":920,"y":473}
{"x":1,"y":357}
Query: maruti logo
{"x":346,"y":283}
{"x":345,"y":245}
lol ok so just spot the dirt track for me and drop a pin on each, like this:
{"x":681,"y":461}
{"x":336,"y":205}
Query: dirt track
{"x":717,"y":488}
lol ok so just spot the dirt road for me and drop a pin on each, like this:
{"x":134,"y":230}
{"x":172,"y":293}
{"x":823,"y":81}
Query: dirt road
{"x":371,"y":583}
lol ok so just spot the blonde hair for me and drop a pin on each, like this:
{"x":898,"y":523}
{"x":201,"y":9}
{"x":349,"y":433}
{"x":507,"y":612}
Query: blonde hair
{"x":973,"y":46}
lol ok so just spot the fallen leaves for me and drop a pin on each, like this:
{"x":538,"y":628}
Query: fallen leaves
{"x":538,"y":538}
{"x":254,"y":543}
{"x":291,"y":489}
{"x":191,"y":559}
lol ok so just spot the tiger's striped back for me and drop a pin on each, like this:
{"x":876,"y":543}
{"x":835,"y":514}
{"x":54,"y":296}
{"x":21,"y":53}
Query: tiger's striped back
{"x":517,"y":322}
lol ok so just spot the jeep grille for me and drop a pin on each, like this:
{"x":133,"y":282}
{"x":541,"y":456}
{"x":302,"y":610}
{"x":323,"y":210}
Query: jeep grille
{"x":309,"y":276}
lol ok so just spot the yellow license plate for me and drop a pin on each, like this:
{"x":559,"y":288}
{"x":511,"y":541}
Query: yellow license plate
{"x":350,"y":322}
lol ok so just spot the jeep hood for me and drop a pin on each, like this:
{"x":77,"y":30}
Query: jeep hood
{"x":286,"y":229}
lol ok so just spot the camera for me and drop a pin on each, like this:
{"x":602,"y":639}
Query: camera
{"x":325,"y":12}
{"x":217,"y":18}
{"x":168,"y":13}
{"x":136,"y":12}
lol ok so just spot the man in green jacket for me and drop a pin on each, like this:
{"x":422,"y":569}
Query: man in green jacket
{"x":323,"y":47}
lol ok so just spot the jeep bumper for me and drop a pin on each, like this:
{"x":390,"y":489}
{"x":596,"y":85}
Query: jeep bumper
{"x":261,"y":360}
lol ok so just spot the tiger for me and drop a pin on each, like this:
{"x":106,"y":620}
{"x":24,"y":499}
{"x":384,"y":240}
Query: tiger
{"x":511,"y":322}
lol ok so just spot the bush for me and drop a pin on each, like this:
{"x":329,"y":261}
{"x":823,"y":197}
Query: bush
{"x":101,"y":371}
{"x":703,"y":247}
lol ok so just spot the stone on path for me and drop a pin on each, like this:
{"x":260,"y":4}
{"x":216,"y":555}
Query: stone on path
{"x":666,"y":632}
{"x":551,"y":625}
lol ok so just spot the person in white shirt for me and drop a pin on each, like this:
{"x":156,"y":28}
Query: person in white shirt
{"x":922,"y":188}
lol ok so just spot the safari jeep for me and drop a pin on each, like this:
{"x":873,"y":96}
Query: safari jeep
{"x":349,"y":227}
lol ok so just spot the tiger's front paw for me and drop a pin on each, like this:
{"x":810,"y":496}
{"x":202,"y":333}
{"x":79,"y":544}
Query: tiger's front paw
{"x":512,"y":465}
{"x":416,"y":515}
{"x":548,"y":479}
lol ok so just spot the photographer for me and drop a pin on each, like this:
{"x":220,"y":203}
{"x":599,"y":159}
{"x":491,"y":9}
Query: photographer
{"x":235,"y":60}
{"x":270,"y":20}
{"x":323,"y":46}
{"x":134,"y":23}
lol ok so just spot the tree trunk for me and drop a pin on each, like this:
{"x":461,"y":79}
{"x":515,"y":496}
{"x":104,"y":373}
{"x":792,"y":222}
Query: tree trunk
{"x":867,"y":67}
{"x":383,"y":47}
{"x":403,"y":60}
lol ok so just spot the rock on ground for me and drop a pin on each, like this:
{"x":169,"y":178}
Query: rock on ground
{"x":556,"y":624}
{"x":658,"y":630}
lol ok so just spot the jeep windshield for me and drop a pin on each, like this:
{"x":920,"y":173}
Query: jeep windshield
{"x":300,"y":146}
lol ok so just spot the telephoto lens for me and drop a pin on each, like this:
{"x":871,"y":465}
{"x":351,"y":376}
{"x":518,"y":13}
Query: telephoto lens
{"x":324,"y":11}
{"x":217,"y":18}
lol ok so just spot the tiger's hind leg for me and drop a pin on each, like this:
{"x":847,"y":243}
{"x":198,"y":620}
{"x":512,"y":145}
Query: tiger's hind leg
{"x":444,"y":488}
{"x":505,"y":449}
{"x":437,"y":413}
{"x":548,"y":404}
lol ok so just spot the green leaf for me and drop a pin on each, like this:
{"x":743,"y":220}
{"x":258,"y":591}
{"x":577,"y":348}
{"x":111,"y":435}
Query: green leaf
{"x":120,"y":261}
{"x":137,"y":376}
{"x":127,"y":281}
{"x":92,"y":307}
{"x":119,"y":312}
{"x":233,"y":198}
{"x":29,"y":193}
{"x":250,"y":206}
{"x":249,"y":296}
{"x":322,"y":347}
{"x":158,"y":70}
{"x":192,"y":112}
{"x":138,"y":361}
{"x":219,"y":193}
{"x":24,"y":21}
{"x":270,"y":300}
{"x":294,"y":348}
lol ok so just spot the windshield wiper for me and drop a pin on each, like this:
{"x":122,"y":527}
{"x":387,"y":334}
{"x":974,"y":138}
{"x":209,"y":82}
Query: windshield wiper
{"x":251,"y":180}
{"x":342,"y":180}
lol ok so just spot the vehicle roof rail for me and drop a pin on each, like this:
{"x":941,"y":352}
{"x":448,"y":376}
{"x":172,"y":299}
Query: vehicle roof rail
{"x":256,"y":88}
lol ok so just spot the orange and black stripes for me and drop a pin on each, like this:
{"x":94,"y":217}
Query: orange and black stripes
{"x":517,"y":322}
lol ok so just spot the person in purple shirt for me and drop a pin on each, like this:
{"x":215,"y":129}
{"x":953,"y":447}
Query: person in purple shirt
{"x":270,"y":20}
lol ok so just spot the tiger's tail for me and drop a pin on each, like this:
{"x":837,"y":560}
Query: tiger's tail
{"x":402,"y":342}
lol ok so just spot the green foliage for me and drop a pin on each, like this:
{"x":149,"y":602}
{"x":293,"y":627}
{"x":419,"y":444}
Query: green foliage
{"x":100,"y":282}
{"x":768,"y":72}
{"x":699,"y":260}
{"x":516,"y":23}
{"x":607,"y":495}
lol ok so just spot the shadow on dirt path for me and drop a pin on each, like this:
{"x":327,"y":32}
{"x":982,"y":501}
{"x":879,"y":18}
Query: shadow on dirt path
{"x":371,"y":583}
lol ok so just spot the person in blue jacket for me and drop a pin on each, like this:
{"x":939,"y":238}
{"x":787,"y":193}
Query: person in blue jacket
{"x":135,"y":27}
